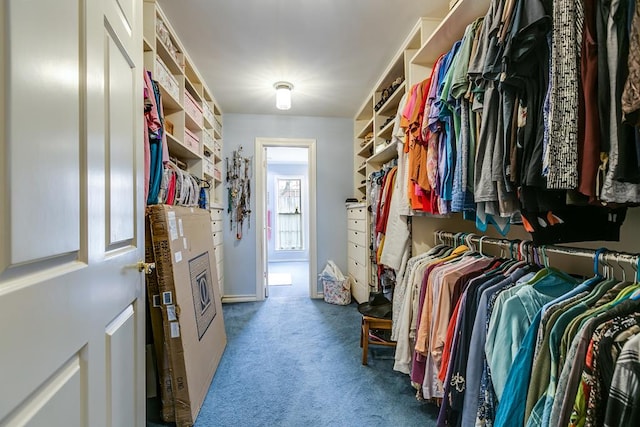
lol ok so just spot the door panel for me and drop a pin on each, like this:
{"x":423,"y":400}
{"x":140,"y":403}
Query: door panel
{"x":127,"y":8}
{"x":121,"y":17}
{"x":71,"y":313}
{"x":120,"y":337}
{"x":50,"y":404}
{"x":44,"y":128}
{"x":121,"y":119}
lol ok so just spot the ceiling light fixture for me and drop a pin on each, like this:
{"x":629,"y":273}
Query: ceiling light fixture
{"x":283,"y":95}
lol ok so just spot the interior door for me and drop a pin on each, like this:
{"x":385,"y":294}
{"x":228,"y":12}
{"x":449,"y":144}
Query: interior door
{"x":71,"y":213}
{"x":267,"y":229}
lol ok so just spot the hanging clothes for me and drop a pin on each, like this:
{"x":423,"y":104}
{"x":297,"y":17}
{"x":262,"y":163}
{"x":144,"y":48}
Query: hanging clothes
{"x":504,"y":342}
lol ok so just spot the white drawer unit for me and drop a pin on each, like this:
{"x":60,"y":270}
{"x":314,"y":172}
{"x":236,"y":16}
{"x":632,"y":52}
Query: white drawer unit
{"x":217,"y":238}
{"x":216,"y":226}
{"x":357,"y":212}
{"x":218,"y":245}
{"x":358,"y":270}
{"x":220,"y":268}
{"x":356,"y":224}
{"x":357,"y":237}
{"x":357,"y":251}
{"x":216,"y":213}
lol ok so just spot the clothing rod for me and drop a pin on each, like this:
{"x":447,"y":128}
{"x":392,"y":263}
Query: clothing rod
{"x":606,"y":254}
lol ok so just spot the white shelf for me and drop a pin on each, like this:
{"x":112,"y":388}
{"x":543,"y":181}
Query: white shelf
{"x":386,"y":130}
{"x":450,"y":30}
{"x":389,"y":152}
{"x":390,"y":107}
{"x":180,"y":150}
{"x":168,"y":59}
{"x":368,"y":127}
{"x":169,"y":103}
{"x":365,"y":148}
{"x":188,"y":81}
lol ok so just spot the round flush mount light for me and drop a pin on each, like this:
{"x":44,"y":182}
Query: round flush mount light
{"x":283,"y":95}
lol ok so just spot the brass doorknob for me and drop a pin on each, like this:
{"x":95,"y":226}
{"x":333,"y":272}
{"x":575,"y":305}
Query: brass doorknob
{"x":147,"y":267}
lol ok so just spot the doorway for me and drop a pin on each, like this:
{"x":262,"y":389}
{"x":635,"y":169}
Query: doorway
{"x":286,"y":262}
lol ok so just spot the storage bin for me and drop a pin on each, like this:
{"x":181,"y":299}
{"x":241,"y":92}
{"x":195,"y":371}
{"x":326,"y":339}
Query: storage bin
{"x":217,"y":174}
{"x":208,"y":167}
{"x":208,"y":113}
{"x":164,"y":78}
{"x":165,"y":38}
{"x":208,"y":141}
{"x":192,"y":141}
{"x":192,"y":108}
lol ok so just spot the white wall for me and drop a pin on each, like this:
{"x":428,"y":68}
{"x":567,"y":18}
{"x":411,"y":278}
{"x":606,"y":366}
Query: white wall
{"x":334,"y":183}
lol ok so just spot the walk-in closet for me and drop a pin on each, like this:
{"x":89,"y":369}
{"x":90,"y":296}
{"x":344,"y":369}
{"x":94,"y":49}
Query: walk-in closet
{"x":322,"y":213}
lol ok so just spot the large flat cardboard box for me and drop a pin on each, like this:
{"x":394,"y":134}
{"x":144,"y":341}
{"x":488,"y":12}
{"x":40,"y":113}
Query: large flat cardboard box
{"x":189,"y":302}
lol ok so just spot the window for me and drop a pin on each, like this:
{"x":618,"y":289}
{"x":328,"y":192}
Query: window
{"x":289,"y":215}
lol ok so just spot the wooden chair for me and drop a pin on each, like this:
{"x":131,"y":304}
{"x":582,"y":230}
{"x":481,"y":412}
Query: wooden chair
{"x":373,"y":323}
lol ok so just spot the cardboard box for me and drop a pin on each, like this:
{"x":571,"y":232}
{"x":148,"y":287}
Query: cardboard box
{"x":160,"y":343}
{"x":189,"y":300}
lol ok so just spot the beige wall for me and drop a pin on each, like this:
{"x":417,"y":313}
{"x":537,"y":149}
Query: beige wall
{"x":424,"y":228}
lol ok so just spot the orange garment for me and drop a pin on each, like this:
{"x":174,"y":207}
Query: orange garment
{"x":448,"y":342}
{"x":418,"y":146}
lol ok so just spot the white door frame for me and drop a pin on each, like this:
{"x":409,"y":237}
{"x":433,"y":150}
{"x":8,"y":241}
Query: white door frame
{"x":261,"y":183}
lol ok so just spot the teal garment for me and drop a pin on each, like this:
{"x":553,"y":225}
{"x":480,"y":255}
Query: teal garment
{"x":542,"y":410}
{"x":511,"y":409}
{"x":513,"y":402}
{"x":518,"y":313}
{"x":496,"y":315}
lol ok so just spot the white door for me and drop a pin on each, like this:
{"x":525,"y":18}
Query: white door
{"x":71,"y":213}
{"x":267,"y":228}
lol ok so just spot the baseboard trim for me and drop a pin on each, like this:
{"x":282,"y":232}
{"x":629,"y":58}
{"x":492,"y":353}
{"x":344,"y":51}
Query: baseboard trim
{"x":252,"y":298}
{"x":238,"y":298}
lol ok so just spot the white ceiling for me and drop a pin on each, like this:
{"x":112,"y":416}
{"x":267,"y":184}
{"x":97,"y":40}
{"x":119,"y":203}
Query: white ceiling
{"x":333,"y":51}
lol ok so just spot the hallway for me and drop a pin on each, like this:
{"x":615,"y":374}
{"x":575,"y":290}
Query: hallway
{"x":299,"y":273}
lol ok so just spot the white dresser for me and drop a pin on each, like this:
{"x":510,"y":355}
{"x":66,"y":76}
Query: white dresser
{"x":357,"y":250}
{"x":216,"y":234}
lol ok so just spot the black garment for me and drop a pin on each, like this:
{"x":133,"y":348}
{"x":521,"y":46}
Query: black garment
{"x":553,"y":221}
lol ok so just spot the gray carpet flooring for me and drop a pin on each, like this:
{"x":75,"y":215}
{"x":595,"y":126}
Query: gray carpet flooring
{"x":293,"y":361}
{"x":297,"y":362}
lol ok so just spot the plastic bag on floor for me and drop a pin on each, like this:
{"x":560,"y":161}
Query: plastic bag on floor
{"x":336,"y":287}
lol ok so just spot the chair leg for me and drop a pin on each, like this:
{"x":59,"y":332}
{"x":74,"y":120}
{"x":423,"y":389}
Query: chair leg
{"x":365,"y":341}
